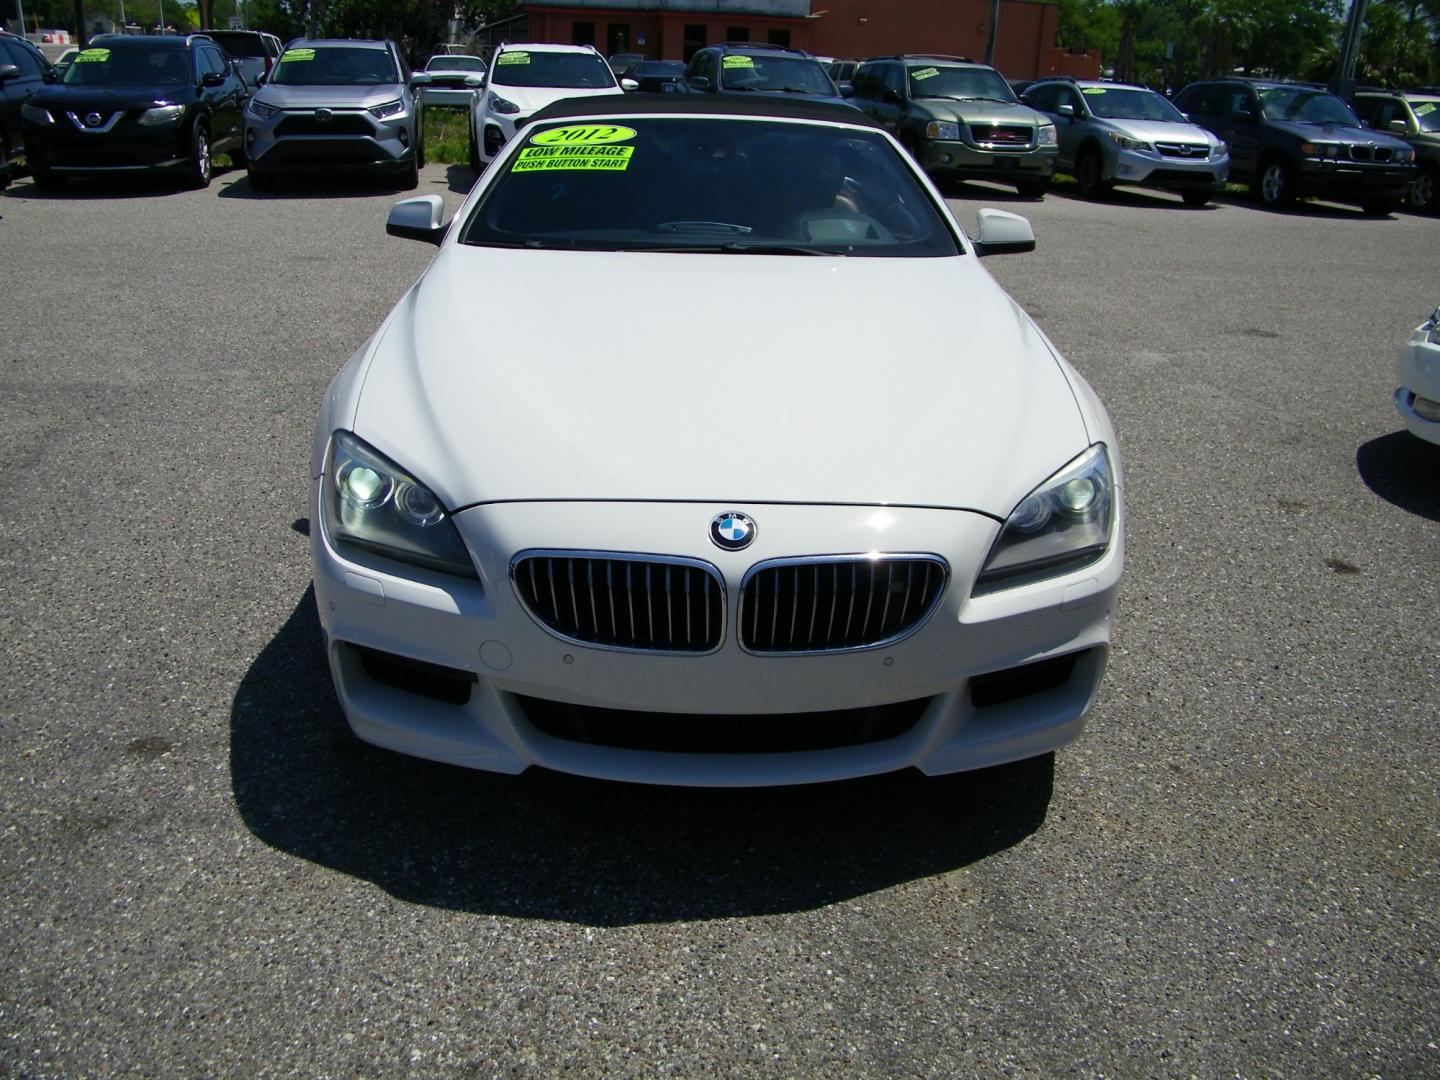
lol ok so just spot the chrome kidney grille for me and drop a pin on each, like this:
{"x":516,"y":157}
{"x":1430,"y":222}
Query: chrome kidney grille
{"x":644,"y":603}
{"x":837,"y":603}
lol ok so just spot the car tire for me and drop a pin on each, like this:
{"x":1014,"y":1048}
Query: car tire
{"x":1422,"y":193}
{"x":419,"y":147}
{"x":1196,"y":198}
{"x":237,"y":156}
{"x":46,"y":180}
{"x":1032,"y":189}
{"x":259,"y":181}
{"x":6,"y":169}
{"x":201,"y":166}
{"x":410,"y":175}
{"x":1275,"y":184}
{"x":1090,"y":174}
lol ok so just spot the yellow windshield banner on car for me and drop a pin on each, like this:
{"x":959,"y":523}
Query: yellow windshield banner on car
{"x":574,"y":158}
{"x":925,"y":73}
{"x":297,"y":54}
{"x":513,"y":58}
{"x":91,"y":56}
{"x":739,"y":62}
{"x":1093,"y":90}
{"x":1426,"y":109}
{"x":584,"y":135}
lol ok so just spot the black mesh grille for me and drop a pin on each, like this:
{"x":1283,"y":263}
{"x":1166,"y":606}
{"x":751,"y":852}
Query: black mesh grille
{"x":339,"y":124}
{"x":1183,"y":150}
{"x":624,"y":602}
{"x":825,"y":605}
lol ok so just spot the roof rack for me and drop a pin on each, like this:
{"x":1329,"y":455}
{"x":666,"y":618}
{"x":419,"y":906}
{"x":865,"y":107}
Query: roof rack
{"x":933,"y":56}
{"x":755,"y":45}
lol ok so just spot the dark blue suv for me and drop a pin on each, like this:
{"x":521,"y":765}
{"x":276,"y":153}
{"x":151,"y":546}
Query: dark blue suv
{"x":751,"y":68}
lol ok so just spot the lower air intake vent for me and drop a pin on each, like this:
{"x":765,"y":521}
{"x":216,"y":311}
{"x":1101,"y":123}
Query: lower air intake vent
{"x":642,"y":602}
{"x":837,"y":603}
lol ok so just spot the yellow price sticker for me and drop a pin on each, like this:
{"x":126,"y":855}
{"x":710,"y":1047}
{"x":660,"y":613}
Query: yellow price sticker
{"x":925,"y":73}
{"x":739,"y":62}
{"x":92,"y":56}
{"x":1092,"y":90}
{"x":297,"y":54}
{"x":1426,"y":109}
{"x":595,"y":158}
{"x":513,"y":58}
{"x":584,"y":135}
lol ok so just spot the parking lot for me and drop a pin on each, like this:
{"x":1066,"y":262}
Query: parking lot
{"x":1232,"y":873}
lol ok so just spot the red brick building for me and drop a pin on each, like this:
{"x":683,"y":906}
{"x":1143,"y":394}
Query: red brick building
{"x":674,"y":29}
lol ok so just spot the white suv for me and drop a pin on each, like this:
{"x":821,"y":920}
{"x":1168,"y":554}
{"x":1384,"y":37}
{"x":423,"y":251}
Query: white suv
{"x":523,"y":80}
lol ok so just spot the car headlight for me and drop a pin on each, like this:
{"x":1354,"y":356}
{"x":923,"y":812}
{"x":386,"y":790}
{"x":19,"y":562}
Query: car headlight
{"x":390,"y":108}
{"x":35,"y":114}
{"x":1047,"y":136}
{"x":500,"y":105}
{"x":939,"y":129}
{"x":371,"y":503}
{"x":1062,"y":525}
{"x":161,"y":114}
{"x":1404,"y":156}
{"x":261,"y":111}
{"x":1127,"y":143}
{"x":1434,"y":336}
{"x":1219,"y":150}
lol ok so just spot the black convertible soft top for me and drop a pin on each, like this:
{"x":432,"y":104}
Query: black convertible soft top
{"x":770,"y":106}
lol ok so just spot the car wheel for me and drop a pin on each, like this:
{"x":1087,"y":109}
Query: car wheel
{"x":1032,"y":189}
{"x":1090,"y":172}
{"x":410,"y":175}
{"x":1195,"y":198}
{"x":1421,"y":195}
{"x":201,"y":166}
{"x":1276,"y":185}
{"x":6,"y":169}
{"x":1379,"y":207}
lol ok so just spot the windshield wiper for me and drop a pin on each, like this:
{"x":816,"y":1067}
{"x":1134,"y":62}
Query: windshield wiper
{"x":737,"y":249}
{"x":703,"y":227}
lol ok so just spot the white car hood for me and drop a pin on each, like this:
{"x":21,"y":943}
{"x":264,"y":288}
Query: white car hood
{"x":532,"y":99}
{"x":525,"y":375}
{"x":1165,"y":131}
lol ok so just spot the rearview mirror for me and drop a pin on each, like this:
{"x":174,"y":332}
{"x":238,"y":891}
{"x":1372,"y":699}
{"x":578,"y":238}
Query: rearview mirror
{"x":474,"y":82}
{"x":629,"y":85}
{"x":700,"y":82}
{"x":418,"y":219}
{"x":1000,"y":233}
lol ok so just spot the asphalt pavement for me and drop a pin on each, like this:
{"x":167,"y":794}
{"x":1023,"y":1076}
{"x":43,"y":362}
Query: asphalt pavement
{"x":1233,"y":873}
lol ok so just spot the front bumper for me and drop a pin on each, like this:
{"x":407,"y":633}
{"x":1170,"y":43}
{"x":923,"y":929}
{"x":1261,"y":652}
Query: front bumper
{"x":1155,"y":170}
{"x":127,"y":147}
{"x":1418,"y":372}
{"x":959,"y":160}
{"x":459,"y":97}
{"x":1348,"y":181}
{"x":295,"y":140}
{"x":481,"y":633}
{"x":495,"y":130}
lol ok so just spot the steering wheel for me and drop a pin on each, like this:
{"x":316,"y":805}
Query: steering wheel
{"x":834,"y":226}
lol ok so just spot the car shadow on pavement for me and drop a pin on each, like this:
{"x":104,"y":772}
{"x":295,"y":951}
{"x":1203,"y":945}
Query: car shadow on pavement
{"x":461,"y":178}
{"x":1138,"y":198}
{"x":145,"y":186}
{"x":238,"y":186}
{"x":1404,"y":471}
{"x":548,"y":846}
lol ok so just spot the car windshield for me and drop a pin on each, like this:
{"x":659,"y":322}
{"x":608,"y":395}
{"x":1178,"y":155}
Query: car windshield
{"x":455,"y":63}
{"x":574,"y":71}
{"x":1306,"y":106}
{"x":1114,"y":103}
{"x":774,"y":74}
{"x":241,"y":46}
{"x":685,"y":184}
{"x":966,"y":84}
{"x":1427,"y":114}
{"x":129,"y":66}
{"x":656,"y":69}
{"x":334,"y":65}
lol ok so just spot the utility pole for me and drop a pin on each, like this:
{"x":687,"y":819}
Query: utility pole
{"x":994,"y":26}
{"x":1344,"y":81}
{"x":80,"y":30}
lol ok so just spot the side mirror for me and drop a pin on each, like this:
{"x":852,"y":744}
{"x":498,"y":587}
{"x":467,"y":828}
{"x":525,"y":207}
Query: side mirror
{"x":1399,"y":125}
{"x":418,"y":219}
{"x":700,"y":82}
{"x":892,"y":98}
{"x":419,"y":78}
{"x":1067,"y":110}
{"x":1000,"y":233}
{"x":629,"y":85}
{"x":9,"y":71}
{"x":1244,"y":116}
{"x":474,"y":82}
{"x":212,"y":78}
{"x":847,"y":90}
{"x":51,"y":75}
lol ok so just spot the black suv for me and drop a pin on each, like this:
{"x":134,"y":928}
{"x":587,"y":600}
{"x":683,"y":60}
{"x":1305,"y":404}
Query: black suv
{"x":134,"y":104}
{"x":1293,"y":139}
{"x":740,"y":67}
{"x":23,"y":70}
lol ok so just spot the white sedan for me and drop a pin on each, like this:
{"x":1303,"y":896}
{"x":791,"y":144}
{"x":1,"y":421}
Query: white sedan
{"x":1418,"y":369}
{"x":836,"y":507}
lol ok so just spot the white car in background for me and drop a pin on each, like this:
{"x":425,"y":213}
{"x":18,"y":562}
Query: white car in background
{"x":523,"y":79}
{"x":724,"y":554}
{"x":1418,"y":369}
{"x":452,"y":80}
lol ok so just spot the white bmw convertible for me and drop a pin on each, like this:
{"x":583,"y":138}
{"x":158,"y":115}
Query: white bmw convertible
{"x":705,"y":451}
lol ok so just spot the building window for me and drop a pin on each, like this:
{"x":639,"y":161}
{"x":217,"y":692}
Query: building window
{"x":781,"y":38}
{"x":737,"y":33}
{"x":619,"y":40}
{"x":582,"y":33}
{"x":695,"y":40}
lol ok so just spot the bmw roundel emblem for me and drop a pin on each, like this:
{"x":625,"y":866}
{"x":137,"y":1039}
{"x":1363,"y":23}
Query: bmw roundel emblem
{"x":732,"y":530}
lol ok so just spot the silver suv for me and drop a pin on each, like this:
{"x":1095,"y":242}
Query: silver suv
{"x":1113,"y":133}
{"x":337,"y":105}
